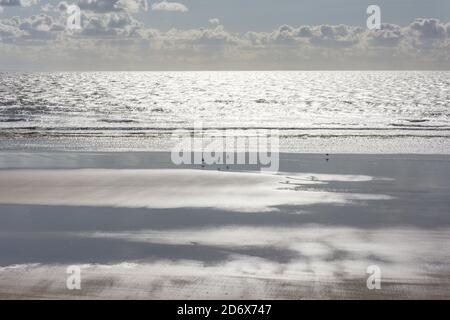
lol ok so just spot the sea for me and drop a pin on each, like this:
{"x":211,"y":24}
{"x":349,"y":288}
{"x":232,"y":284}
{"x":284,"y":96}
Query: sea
{"x":313,"y":111}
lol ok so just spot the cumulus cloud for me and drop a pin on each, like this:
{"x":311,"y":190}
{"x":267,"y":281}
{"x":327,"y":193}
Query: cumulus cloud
{"x":428,"y":28}
{"x":17,"y":3}
{"x":105,"y":6}
{"x":169,"y":6}
{"x":113,"y":38}
{"x":214,"y":21}
{"x":111,"y":25}
{"x":30,"y":30}
{"x":389,"y":35}
{"x":62,"y":6}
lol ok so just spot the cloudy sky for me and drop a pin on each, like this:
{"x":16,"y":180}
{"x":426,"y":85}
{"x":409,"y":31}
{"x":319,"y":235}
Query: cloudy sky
{"x":224,"y":34}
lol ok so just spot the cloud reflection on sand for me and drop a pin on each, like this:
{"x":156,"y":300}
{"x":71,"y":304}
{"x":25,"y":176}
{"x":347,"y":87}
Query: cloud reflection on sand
{"x":311,"y":250}
{"x":327,"y":262}
{"x":158,"y":189}
{"x":188,"y":233}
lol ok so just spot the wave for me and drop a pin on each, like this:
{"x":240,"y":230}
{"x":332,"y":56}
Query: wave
{"x":13,"y":120}
{"x":118,"y":121}
{"x":397,"y":127}
{"x":405,"y":125}
{"x":166,"y":133}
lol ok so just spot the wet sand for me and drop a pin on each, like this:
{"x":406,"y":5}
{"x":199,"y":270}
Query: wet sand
{"x":142,"y":228}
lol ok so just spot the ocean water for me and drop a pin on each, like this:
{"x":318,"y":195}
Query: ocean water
{"x":110,"y":110}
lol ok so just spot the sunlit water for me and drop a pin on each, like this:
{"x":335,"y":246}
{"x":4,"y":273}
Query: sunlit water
{"x":125,"y":105}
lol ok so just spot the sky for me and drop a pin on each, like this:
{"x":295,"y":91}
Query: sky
{"x":224,"y":35}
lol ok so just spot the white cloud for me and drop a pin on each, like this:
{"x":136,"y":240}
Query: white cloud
{"x":118,"y":40}
{"x":110,"y":25}
{"x":428,"y":28}
{"x":133,"y":5}
{"x":104,"y":6}
{"x":169,"y":6}
{"x":17,"y":3}
{"x":62,"y":6}
{"x":214,"y":21}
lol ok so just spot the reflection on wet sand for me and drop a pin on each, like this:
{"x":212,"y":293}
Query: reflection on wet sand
{"x":208,"y":234}
{"x":234,"y":191}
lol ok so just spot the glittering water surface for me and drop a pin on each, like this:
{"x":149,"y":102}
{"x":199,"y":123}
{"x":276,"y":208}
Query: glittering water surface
{"x":128,"y":104}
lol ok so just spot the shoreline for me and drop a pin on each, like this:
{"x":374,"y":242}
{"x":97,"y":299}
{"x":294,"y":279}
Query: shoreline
{"x":303,"y":144}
